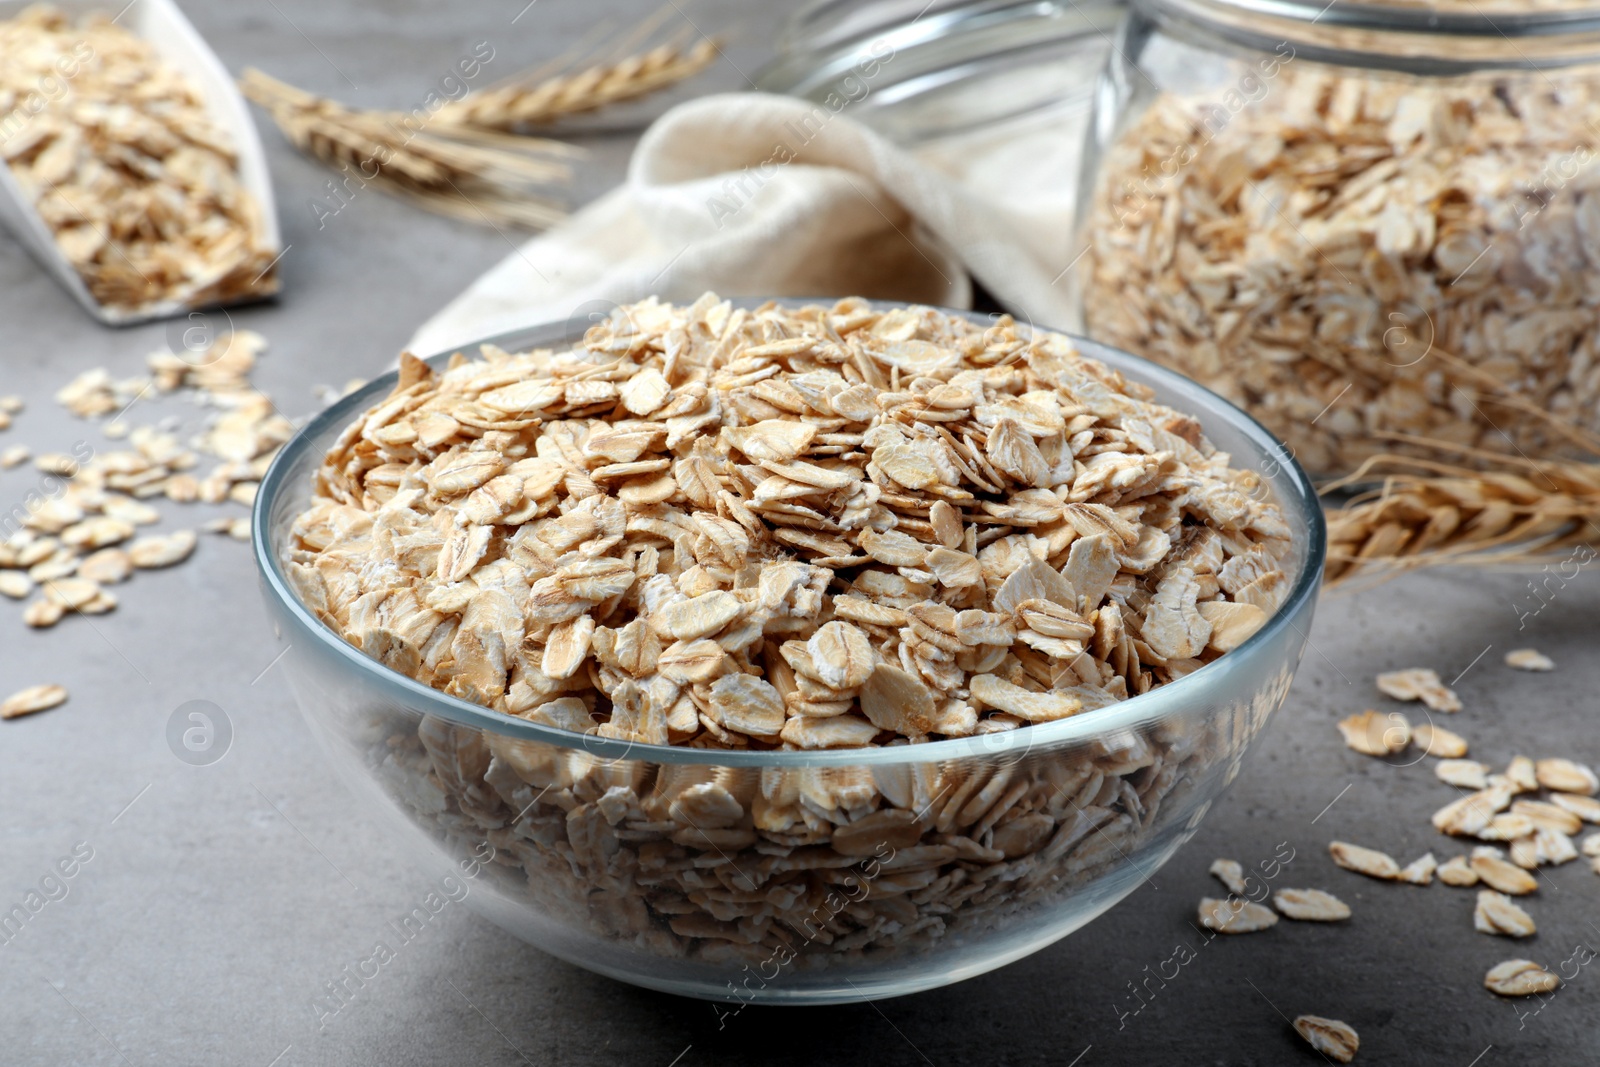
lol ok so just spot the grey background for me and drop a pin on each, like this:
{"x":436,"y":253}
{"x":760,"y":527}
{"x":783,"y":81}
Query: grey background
{"x":220,"y":898}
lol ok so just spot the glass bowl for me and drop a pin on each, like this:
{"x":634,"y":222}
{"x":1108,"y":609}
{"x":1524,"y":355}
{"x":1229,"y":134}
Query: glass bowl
{"x":686,"y":870}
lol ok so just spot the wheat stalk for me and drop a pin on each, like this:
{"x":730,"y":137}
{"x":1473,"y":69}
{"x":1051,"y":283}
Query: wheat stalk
{"x":464,"y":159}
{"x":518,"y":104}
{"x":488,"y":178}
{"x":1427,"y":512}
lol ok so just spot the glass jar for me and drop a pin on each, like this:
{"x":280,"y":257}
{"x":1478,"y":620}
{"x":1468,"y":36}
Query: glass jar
{"x":1375,"y":228}
{"x":994,"y":94}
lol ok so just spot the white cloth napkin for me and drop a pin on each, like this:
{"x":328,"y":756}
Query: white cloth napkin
{"x":749,"y":194}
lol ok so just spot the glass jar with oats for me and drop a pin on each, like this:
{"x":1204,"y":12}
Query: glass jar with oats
{"x":1376,"y":228}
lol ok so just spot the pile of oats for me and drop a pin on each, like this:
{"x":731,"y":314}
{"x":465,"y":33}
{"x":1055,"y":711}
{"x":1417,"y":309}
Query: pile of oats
{"x":1356,"y":255}
{"x":790,"y":529}
{"x":815,"y":528}
{"x":125,"y":167}
{"x":76,"y":534}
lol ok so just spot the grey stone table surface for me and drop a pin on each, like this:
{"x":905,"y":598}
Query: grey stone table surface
{"x":218,"y":901}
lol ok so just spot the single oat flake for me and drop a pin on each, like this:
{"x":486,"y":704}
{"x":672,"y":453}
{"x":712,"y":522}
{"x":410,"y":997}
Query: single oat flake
{"x":1546,"y":816}
{"x":1435,"y":740}
{"x":1519,"y":978}
{"x":1584,"y":807}
{"x":1334,"y":1039}
{"x":1310,"y":905}
{"x":1565,"y":776}
{"x":1374,"y":734}
{"x":34,"y":698}
{"x":1231,"y":874}
{"x":1463,"y":773}
{"x":1522,"y":775}
{"x":1235,"y":916}
{"x":1492,"y":867}
{"x":1529,"y":659}
{"x":1497,"y":913}
{"x":1419,"y":871}
{"x":1367,"y":861}
{"x":1457,"y":871}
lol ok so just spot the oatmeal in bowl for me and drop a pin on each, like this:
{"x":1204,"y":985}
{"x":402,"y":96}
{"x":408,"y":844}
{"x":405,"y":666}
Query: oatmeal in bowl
{"x":774,"y":651}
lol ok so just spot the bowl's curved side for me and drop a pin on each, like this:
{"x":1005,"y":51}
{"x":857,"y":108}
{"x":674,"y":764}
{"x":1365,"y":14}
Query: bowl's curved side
{"x":919,"y":898}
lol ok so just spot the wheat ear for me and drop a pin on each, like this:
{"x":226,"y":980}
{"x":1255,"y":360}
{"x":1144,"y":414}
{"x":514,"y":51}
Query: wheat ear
{"x":479,"y":175}
{"x":1426,"y":513}
{"x":516,"y":104}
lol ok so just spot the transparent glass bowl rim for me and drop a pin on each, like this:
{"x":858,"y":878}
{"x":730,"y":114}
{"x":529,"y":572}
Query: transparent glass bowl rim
{"x":1170,"y":700}
{"x":1495,"y":23}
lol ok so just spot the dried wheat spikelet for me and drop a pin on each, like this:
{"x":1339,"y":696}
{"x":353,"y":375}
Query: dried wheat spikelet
{"x":1428,"y":512}
{"x":481,"y":176}
{"x":517,"y":103}
{"x":467,"y":160}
